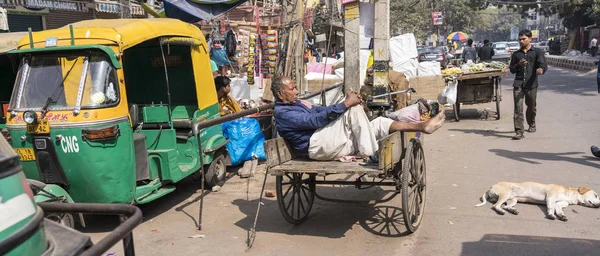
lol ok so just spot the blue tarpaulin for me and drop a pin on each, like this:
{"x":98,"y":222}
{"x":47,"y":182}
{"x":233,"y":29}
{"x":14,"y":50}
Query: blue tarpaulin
{"x":194,"y":11}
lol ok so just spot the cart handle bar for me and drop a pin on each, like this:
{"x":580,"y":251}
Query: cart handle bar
{"x":133,"y":214}
{"x":393,"y":93}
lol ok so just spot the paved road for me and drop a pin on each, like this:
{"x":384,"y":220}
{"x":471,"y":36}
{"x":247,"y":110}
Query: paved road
{"x":463,"y":159}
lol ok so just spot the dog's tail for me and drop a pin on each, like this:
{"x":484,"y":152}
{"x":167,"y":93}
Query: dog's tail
{"x":483,"y":200}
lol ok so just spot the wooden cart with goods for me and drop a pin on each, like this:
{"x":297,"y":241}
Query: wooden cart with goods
{"x":478,"y":88}
{"x":401,"y":166}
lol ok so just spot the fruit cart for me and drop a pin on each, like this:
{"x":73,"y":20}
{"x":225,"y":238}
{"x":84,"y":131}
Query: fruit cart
{"x":479,"y":85}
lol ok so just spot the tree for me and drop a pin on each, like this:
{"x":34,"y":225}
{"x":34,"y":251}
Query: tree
{"x":575,"y":13}
{"x":408,"y":16}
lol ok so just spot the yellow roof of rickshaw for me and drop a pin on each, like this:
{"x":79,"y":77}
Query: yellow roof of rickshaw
{"x":124,"y":32}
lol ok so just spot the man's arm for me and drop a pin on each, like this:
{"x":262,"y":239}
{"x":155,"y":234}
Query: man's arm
{"x":305,"y":120}
{"x":514,"y":64}
{"x":541,"y":60}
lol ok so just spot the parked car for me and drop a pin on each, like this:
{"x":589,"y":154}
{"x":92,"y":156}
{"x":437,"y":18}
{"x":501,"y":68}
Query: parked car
{"x":435,"y":54}
{"x":514,"y":46}
{"x":501,"y":50}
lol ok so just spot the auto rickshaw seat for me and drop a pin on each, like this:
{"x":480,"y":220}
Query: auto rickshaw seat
{"x":63,"y":240}
{"x":134,"y":115}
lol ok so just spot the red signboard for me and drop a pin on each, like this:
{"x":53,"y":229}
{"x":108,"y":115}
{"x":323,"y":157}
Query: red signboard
{"x":437,"y":18}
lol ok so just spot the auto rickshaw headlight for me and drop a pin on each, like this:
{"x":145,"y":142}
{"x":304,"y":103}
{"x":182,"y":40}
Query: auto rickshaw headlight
{"x":29,"y":117}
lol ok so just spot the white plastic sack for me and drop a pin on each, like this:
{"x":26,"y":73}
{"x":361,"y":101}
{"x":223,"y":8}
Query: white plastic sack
{"x":429,"y":68}
{"x":408,"y":114}
{"x":339,"y":72}
{"x":408,"y":67}
{"x":448,"y":94}
{"x":402,"y":48}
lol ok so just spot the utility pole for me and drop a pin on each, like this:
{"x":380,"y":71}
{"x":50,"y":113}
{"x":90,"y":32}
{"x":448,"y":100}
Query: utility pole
{"x":352,"y":46}
{"x":381,"y":54}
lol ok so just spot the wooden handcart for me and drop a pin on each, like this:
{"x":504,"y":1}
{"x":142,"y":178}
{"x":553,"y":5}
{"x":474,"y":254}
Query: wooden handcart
{"x":401,"y":166}
{"x":477,"y":88}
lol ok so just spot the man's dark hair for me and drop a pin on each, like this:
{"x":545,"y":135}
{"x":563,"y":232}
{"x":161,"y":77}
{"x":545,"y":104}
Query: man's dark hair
{"x":526,"y":32}
{"x":470,"y":42}
{"x":486,"y":41}
{"x":221,"y":82}
{"x":277,"y":84}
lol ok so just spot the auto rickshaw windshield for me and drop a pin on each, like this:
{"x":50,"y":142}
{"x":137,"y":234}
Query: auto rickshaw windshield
{"x":64,"y":81}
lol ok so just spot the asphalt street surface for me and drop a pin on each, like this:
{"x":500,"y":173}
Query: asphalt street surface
{"x":463,"y":160}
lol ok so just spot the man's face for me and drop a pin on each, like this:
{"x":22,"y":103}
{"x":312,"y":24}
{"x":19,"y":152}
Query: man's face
{"x":524,"y":41}
{"x":288,"y":92}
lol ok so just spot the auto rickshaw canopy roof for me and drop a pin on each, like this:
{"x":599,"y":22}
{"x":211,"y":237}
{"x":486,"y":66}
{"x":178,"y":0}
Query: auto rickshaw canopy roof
{"x":123,"y":32}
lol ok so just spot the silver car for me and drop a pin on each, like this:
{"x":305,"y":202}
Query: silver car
{"x":501,"y":50}
{"x":514,"y":46}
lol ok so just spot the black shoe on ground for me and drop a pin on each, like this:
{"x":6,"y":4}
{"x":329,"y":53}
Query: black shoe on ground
{"x":518,"y":136}
{"x":531,"y":129}
{"x":596,"y":151}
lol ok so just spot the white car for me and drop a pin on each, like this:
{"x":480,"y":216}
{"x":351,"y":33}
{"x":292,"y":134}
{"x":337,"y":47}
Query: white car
{"x":501,"y":50}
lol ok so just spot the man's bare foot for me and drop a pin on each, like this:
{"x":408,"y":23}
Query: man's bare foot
{"x":434,"y":123}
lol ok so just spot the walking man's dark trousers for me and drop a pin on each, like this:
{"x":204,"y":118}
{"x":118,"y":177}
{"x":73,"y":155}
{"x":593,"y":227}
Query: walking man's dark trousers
{"x":525,"y":85}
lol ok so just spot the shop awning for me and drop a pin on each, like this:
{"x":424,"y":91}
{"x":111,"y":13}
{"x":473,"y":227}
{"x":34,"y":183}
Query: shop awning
{"x":196,"y":10}
{"x":114,"y":7}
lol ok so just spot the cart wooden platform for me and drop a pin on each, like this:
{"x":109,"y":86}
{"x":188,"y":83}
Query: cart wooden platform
{"x":401,"y":165}
{"x":477,"y":88}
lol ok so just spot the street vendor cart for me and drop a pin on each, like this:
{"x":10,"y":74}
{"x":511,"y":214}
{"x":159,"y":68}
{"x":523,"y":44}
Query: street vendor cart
{"x":477,"y":88}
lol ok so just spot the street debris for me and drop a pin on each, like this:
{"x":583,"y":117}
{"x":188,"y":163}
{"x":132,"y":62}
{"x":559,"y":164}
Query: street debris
{"x":574,"y":211}
{"x":454,"y":185}
{"x":111,"y":254}
{"x":269,"y":194}
{"x":452,"y":208}
{"x":198,"y":236}
{"x":450,"y":222}
{"x":154,"y":230}
{"x":216,"y":188}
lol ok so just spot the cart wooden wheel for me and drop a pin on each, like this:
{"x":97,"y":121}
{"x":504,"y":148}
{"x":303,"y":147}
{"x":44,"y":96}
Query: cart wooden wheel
{"x":295,"y":196}
{"x":413,"y":185}
{"x":498,"y":97}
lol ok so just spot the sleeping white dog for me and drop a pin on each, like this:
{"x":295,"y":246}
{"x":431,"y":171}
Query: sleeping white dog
{"x":555,"y":197}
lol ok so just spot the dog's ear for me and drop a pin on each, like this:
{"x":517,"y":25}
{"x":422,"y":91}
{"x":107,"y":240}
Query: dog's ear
{"x":583,"y":190}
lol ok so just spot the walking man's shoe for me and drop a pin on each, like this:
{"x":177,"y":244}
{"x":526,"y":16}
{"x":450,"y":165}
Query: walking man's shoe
{"x":596,"y":151}
{"x":518,"y":136}
{"x":531,"y":129}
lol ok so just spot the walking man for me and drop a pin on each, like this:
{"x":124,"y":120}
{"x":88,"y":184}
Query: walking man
{"x":486,"y":52}
{"x":527,"y":64}
{"x":594,"y":46}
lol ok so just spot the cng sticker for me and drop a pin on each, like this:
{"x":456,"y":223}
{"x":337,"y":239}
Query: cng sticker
{"x":69,"y":144}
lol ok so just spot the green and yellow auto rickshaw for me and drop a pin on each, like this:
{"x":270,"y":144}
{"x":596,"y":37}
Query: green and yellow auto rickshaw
{"x":24,"y":231}
{"x":110,"y":110}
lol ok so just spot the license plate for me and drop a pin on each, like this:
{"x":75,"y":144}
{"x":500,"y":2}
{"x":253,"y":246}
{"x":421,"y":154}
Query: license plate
{"x":26,"y":154}
{"x":40,"y":127}
{"x":431,"y":56}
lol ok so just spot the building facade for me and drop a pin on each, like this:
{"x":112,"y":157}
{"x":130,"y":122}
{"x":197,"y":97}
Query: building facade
{"x":49,"y":14}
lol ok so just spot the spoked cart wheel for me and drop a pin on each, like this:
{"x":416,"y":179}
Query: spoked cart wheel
{"x":295,"y":196}
{"x":413,"y":182}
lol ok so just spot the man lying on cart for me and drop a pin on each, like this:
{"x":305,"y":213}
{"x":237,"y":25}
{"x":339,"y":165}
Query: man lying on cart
{"x":336,"y":131}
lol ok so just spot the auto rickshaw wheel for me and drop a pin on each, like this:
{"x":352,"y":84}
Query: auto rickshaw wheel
{"x":216,"y":171}
{"x":65,"y":219}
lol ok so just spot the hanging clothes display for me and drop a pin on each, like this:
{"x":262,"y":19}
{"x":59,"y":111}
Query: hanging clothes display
{"x":230,"y":43}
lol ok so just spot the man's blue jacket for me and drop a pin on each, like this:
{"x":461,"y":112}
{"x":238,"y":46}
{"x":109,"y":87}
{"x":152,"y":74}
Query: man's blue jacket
{"x":296,"y":122}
